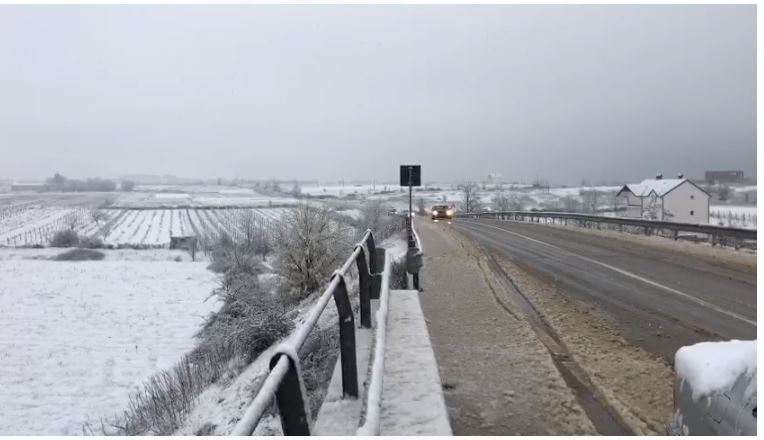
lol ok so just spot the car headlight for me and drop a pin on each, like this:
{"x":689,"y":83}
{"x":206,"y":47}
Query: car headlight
{"x":450,"y":212}
{"x":434,"y":212}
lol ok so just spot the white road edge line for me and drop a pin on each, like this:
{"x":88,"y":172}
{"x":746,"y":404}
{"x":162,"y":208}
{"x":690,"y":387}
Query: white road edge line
{"x":628,"y":274}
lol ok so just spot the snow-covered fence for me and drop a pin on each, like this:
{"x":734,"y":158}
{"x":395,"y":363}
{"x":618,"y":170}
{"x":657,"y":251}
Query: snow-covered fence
{"x":737,"y":237}
{"x":284,"y":382}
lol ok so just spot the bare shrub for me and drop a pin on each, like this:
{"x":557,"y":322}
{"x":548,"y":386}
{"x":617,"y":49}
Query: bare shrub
{"x":318,"y":357}
{"x":161,"y":404}
{"x":309,"y":246}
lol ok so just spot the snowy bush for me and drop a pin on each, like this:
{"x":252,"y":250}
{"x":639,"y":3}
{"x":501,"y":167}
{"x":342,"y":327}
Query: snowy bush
{"x":309,"y":247}
{"x":70,"y":238}
{"x":65,"y":238}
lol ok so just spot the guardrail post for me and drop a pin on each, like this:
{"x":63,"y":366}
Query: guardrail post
{"x":372,"y":254}
{"x":364,"y":287}
{"x":290,"y":400}
{"x":347,"y":339}
{"x":376,"y":278}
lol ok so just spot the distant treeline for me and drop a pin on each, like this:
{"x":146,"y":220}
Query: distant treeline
{"x":61,"y":183}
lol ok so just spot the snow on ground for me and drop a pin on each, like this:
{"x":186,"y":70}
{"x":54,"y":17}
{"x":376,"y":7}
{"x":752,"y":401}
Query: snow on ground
{"x":77,"y":337}
{"x":734,"y":216}
{"x":110,"y":254}
{"x":739,"y":210}
{"x":711,"y":367}
{"x":355,"y":214}
{"x":170,"y":196}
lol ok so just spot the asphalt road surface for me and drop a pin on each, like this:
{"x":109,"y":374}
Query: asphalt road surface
{"x":661,"y":300}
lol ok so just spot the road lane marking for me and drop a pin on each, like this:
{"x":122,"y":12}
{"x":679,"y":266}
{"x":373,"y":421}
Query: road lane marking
{"x":628,"y":274}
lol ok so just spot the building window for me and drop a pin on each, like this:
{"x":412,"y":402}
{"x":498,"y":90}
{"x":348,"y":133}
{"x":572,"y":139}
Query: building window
{"x":692,"y":212}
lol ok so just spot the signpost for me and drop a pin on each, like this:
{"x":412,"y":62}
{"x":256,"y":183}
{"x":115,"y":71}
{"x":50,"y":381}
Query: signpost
{"x":411,"y":176}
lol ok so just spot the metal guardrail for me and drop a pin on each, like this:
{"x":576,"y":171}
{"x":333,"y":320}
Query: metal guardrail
{"x":284,"y":383}
{"x":718,"y":234}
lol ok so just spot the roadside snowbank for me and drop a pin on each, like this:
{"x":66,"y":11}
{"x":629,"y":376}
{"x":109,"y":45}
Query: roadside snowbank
{"x":714,"y":366}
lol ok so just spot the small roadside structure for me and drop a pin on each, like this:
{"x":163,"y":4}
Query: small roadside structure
{"x":676,"y":200}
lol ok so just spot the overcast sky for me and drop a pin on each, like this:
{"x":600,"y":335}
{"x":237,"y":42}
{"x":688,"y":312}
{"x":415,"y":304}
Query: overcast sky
{"x":607,"y":93}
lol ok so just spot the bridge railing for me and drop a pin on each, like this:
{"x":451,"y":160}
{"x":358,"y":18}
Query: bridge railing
{"x":718,"y":234}
{"x":283,"y":382}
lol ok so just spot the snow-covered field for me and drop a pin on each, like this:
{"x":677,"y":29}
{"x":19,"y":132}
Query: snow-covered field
{"x":77,"y":337}
{"x":349,"y":188}
{"x":147,"y":227}
{"x":198,"y":196}
{"x":736,"y":216}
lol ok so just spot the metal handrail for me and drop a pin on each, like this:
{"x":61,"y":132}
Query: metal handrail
{"x":283,"y":382}
{"x":721,"y":231}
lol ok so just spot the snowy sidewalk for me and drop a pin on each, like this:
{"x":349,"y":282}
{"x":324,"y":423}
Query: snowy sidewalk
{"x":412,"y":396}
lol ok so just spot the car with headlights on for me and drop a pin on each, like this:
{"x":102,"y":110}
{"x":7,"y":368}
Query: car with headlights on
{"x":442,"y":212}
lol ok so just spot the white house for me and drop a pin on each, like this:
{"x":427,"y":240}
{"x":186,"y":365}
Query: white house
{"x":676,"y":200}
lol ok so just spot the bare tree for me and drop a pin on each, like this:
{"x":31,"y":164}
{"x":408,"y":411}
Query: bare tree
{"x":500,"y":202}
{"x":309,"y":246}
{"x":97,"y":215}
{"x":515,"y":204}
{"x":571,"y":204}
{"x":470,"y":198}
{"x":652,"y":208}
{"x":296,"y":190}
{"x":254,"y":230}
{"x":589,"y":200}
{"x":371,"y":215}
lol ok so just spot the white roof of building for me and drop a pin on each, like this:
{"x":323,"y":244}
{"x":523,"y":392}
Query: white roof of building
{"x":660,"y":186}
